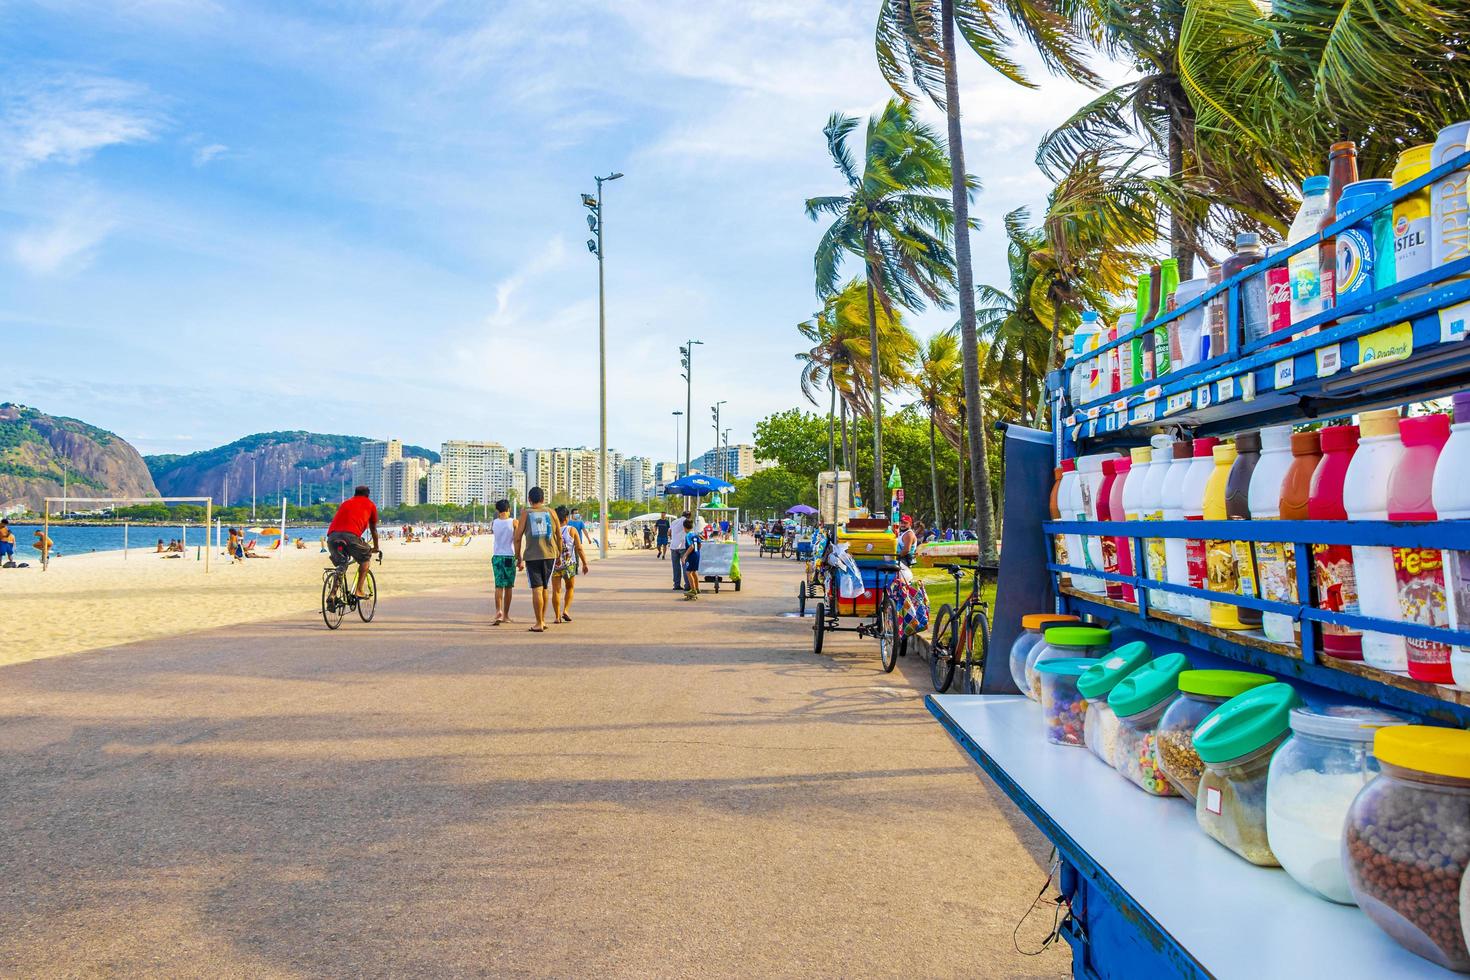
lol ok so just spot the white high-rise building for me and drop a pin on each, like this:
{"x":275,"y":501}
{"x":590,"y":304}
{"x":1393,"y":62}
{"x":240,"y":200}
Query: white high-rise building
{"x":437,"y":493}
{"x":729,"y":462}
{"x":372,"y":465}
{"x":401,"y":481}
{"x":470,"y":467}
{"x":635,"y":479}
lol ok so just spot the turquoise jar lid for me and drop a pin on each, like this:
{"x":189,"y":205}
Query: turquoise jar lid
{"x":1066,"y":666}
{"x":1147,"y":686}
{"x":1107,"y":672}
{"x":1245,"y":723}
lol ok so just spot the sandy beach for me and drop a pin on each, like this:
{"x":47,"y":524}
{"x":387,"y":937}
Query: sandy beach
{"x":85,"y":602}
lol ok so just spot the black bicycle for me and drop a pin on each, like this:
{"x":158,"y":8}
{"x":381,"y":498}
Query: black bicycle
{"x":339,"y":598}
{"x":961,"y":636}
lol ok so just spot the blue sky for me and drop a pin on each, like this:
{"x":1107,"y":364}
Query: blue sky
{"x":218,"y":218}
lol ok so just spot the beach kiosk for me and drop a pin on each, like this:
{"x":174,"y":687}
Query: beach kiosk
{"x":1299,"y":613}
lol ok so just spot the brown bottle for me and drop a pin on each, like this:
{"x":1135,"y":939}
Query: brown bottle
{"x":1342,"y":169}
{"x":1296,"y":487}
{"x":1237,"y":508}
{"x":1147,"y":340}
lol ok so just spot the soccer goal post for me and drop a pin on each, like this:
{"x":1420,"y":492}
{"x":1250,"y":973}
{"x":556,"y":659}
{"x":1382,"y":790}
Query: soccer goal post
{"x":65,"y":502}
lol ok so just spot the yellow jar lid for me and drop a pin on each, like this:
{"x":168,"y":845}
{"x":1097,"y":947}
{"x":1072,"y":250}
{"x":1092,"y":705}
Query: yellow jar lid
{"x":1224,"y":452}
{"x":1438,"y":751}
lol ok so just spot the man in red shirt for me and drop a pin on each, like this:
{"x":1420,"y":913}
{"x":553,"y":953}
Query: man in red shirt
{"x":344,"y":535}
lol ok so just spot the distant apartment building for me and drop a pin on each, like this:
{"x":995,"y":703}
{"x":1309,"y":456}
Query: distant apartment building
{"x":634,"y":479}
{"x":475,"y":471}
{"x":401,"y":481}
{"x":663,"y":475}
{"x":566,"y":473}
{"x":436,"y":490}
{"x":372,"y":467}
{"x":729,"y":462}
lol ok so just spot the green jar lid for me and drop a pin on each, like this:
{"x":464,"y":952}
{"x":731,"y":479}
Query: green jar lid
{"x":1245,"y":723}
{"x":1066,"y":666}
{"x":1148,"y":685}
{"x":1077,"y":636}
{"x":1221,"y":683}
{"x":1107,"y":672}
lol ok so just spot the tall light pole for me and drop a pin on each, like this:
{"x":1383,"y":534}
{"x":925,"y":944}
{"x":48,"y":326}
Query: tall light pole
{"x":715,"y":412}
{"x":726,"y":457}
{"x":677,"y":415}
{"x":595,"y":222}
{"x":687,"y":359}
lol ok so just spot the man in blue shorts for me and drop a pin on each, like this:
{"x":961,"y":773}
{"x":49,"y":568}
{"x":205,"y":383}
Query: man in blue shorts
{"x":7,"y":543}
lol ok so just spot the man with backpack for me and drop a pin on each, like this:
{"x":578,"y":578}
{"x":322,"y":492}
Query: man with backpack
{"x":538,"y":542}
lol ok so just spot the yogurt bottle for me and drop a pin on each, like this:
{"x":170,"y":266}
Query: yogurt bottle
{"x":1196,"y":480}
{"x":1332,"y":564}
{"x":1237,"y":508}
{"x":1152,"y":504}
{"x":1122,"y":468}
{"x":1222,"y":574}
{"x":1264,"y":498}
{"x":1105,"y":513}
{"x":1365,"y":498}
{"x":1420,"y":571}
{"x":1451,"y":494}
{"x":1176,"y":557}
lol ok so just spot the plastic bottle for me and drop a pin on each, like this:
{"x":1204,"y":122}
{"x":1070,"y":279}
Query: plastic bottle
{"x":1105,"y":513}
{"x":1332,"y":564}
{"x":1083,"y":340}
{"x":1264,"y":498}
{"x":1122,"y":467}
{"x":1357,"y":245}
{"x":1196,"y":480}
{"x":1255,"y":313}
{"x":1090,"y":477}
{"x":1253,"y":303}
{"x":1451,"y":492}
{"x":1153,"y":510}
{"x":1070,"y":552}
{"x":1306,"y":278}
{"x":1411,"y":220}
{"x":1217,"y":321}
{"x":1342,"y":169}
{"x":1420,"y":571}
{"x":1223,"y":575}
{"x":1365,"y":498}
{"x":1142,"y":460}
{"x":1136,"y":346}
{"x":1238,"y":508}
{"x":1189,"y":328}
{"x":1122,"y":355}
{"x":1176,"y":552}
{"x":1168,"y":286}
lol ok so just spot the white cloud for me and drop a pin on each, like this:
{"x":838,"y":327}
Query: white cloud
{"x":68,"y":118}
{"x":207,"y":153}
{"x":65,"y":243}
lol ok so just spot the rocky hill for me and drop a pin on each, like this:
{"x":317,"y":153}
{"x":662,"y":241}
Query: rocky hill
{"x":323,"y":464}
{"x":37,"y":450}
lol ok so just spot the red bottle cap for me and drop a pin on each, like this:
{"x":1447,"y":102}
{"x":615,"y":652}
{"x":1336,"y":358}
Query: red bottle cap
{"x":1110,"y":467}
{"x":1344,"y":438}
{"x":1205,"y":446}
{"x":1068,"y":465}
{"x":1425,"y":430}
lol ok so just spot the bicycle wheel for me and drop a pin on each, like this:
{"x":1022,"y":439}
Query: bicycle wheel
{"x":333,"y":604}
{"x":819,"y":627}
{"x":975,"y":657}
{"x":367,"y":604}
{"x":942,"y":644}
{"x":888,"y":635}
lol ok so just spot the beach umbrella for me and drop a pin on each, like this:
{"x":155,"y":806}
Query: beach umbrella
{"x":697,"y":485}
{"x":802,"y":509}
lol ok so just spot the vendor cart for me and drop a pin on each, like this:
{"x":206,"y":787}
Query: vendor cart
{"x":719,"y":561}
{"x":873,"y":613}
{"x":773,"y":543}
{"x":1143,"y":891}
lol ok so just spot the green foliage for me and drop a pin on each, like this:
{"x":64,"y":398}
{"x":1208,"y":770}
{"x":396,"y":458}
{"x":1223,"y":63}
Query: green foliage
{"x":796,"y":440}
{"x":770,"y":492}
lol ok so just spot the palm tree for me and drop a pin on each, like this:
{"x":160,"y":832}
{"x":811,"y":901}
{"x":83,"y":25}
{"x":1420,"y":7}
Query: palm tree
{"x":916,"y":44}
{"x":938,"y":377}
{"x":892,"y":219}
{"x":1009,"y":322}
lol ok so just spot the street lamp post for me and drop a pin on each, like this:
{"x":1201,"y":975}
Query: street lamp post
{"x":595,"y":246}
{"x":677,"y":415}
{"x":688,"y":361}
{"x":715,"y":411}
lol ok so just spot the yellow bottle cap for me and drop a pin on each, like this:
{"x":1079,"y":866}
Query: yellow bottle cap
{"x":1384,"y":422}
{"x":1438,"y":751}
{"x":1141,"y":454}
{"x":1225,"y":453}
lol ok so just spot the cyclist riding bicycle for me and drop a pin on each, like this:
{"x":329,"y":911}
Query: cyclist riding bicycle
{"x":344,"y":535}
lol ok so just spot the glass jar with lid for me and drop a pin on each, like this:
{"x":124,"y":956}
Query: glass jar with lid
{"x":1063,"y":709}
{"x":1313,"y":779}
{"x":1031,"y":627}
{"x":1236,"y":742}
{"x":1101,"y":726}
{"x":1200,"y":692}
{"x":1407,"y":841}
{"x":1064,"y":641}
{"x":1140,"y":700}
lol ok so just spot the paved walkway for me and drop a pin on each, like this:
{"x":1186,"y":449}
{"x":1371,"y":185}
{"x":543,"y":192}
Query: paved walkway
{"x":660,"y":788}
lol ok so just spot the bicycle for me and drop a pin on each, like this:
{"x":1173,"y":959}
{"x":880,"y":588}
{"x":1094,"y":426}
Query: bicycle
{"x":338,"y":598}
{"x":961,"y":635}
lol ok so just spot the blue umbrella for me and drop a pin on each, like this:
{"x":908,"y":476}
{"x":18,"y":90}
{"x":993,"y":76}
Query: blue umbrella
{"x":697,"y":485}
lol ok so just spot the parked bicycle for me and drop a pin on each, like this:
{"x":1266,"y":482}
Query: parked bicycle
{"x":338,"y":597}
{"x":961,"y":636}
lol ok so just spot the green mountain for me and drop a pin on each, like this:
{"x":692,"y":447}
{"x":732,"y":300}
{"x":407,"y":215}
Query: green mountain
{"x":40,"y":453}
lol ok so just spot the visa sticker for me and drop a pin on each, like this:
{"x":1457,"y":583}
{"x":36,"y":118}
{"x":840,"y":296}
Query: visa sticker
{"x":1285,"y":375}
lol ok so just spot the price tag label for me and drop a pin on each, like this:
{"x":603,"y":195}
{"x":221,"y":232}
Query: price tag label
{"x":1178,"y":403}
{"x":1329,"y":359}
{"x":1248,"y":386}
{"x":1385,"y":346}
{"x":1092,"y":413}
{"x":1121,"y":405}
{"x":1453,"y":322}
{"x":1285,"y":373}
{"x":1143,"y":413}
{"x":1092,"y":428}
{"x":1202,"y":397}
{"x":1227,"y":389}
{"x":1153,"y":394}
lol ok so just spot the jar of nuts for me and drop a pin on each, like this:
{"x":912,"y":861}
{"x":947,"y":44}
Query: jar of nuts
{"x":1407,"y":840}
{"x":1200,"y":692}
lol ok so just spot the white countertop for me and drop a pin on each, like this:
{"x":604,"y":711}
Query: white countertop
{"x":1235,"y":919}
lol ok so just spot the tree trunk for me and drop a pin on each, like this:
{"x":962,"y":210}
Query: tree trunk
{"x":960,"y":499}
{"x":831,"y":423}
{"x":877,"y":382}
{"x":933,"y":468}
{"x":846,"y":447}
{"x":984,"y":518}
{"x":1179,"y":238}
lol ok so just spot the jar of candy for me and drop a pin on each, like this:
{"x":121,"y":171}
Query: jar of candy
{"x":1140,"y":700}
{"x":1200,"y":692}
{"x":1101,"y":726}
{"x":1236,"y":742}
{"x":1407,"y":840}
{"x":1063,"y":708}
{"x":1314,"y":777}
{"x":1064,"y":641}
{"x":1031,"y":627}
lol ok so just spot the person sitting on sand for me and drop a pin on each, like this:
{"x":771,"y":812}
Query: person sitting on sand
{"x":159,"y":549}
{"x":300,"y":544}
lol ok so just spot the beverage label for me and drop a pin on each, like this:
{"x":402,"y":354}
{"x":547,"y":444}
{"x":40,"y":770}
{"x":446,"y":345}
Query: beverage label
{"x":1354,"y":276}
{"x":1224,"y":575}
{"x":1278,"y":298}
{"x":1337,"y":586}
{"x":1420,"y":575}
{"x":1306,"y":285}
{"x":1162,"y":361}
{"x":1410,"y":237}
{"x":1450,"y":219}
{"x":1110,"y":562}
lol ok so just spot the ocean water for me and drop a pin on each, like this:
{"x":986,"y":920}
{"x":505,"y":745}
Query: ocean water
{"x":69,"y":540}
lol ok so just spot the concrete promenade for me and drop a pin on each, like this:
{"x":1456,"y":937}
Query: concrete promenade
{"x":660,"y":788}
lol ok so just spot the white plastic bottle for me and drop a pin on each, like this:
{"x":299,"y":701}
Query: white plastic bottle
{"x":1306,"y":282}
{"x":1196,"y":478}
{"x":1452,"y":503}
{"x":1089,"y":482}
{"x":1142,"y":460}
{"x":1265,"y":505}
{"x":1082,"y":341}
{"x":1365,"y":498}
{"x":1152,"y":504}
{"x":1068,"y":509}
{"x":1176,"y":568}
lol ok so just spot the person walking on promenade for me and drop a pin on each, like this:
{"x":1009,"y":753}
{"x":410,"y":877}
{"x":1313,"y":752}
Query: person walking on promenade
{"x":564,"y":573}
{"x":676,"y":553}
{"x":692,"y":542}
{"x":661,"y":527}
{"x":503,"y":559}
{"x":536,"y":547}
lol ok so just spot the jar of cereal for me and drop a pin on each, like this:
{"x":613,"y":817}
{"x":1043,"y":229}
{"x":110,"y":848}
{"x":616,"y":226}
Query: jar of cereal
{"x":1101,"y":727}
{"x":1140,"y":700}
